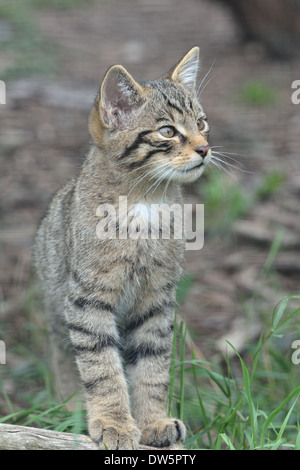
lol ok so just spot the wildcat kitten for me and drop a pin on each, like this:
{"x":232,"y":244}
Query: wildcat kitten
{"x":115,"y":298}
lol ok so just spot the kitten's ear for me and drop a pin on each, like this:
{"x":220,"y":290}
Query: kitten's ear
{"x":185,"y":72}
{"x":120,"y":96}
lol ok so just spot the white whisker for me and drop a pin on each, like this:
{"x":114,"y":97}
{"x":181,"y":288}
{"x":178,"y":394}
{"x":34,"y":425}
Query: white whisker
{"x":202,"y":90}
{"x":167,"y":183}
{"x":227,"y":156}
{"x":218,"y":164}
{"x":139,"y":180}
{"x":152,"y":162}
{"x":229,"y":153}
{"x":221,"y":160}
{"x":156,"y":183}
{"x":145,"y":175}
{"x":199,"y":91}
{"x":238,"y":167}
{"x":158,"y":170}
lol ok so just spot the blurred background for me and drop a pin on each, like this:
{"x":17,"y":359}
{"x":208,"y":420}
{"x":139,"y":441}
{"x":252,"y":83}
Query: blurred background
{"x":53,"y":55}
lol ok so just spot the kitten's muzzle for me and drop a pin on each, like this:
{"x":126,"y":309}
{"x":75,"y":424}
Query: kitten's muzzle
{"x":202,"y":150}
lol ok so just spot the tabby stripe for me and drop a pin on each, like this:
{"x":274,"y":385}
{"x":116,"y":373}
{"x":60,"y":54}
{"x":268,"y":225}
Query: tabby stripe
{"x":160,"y":399}
{"x":182,"y":138}
{"x":66,"y":203}
{"x":191,"y":105}
{"x":143,"y":270}
{"x":102,"y":343}
{"x":80,"y":302}
{"x":141,"y":162}
{"x":160,"y":145}
{"x":178,"y":430}
{"x":152,"y":312}
{"x":165,"y":333}
{"x":172,"y":105}
{"x":80,"y":329}
{"x":133,"y":354}
{"x":158,"y":263}
{"x":139,"y":140}
{"x":158,"y":148}
{"x":159,"y":385}
{"x":95,"y":383}
{"x":67,"y":199}
{"x":161,"y":119}
{"x":163,"y":145}
{"x":168,"y":286}
{"x":146,"y":157}
{"x":88,"y":286}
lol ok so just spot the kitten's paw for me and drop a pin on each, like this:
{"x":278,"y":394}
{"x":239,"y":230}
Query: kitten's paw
{"x":163,"y":433}
{"x":113,"y":436}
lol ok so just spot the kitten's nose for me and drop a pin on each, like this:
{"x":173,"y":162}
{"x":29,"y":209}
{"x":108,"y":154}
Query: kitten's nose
{"x":202,"y":150}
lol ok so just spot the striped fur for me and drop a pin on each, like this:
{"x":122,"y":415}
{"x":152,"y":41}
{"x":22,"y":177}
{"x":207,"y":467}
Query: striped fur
{"x":115,"y":298}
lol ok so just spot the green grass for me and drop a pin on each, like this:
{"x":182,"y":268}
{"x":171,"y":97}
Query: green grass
{"x":42,"y":410}
{"x":227,"y":200}
{"x":245,"y":409}
{"x":270,"y":183}
{"x":27,"y":50}
{"x":250,"y":408}
{"x":29,"y":53}
{"x":247,"y":402}
{"x":257,"y":93}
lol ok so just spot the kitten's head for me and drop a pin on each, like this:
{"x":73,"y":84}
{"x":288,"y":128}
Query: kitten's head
{"x":158,"y":126}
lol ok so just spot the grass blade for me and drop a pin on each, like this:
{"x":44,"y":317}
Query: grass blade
{"x":284,"y":424}
{"x":275,"y":413}
{"x":172,"y":368}
{"x":182,"y":337}
{"x":227,"y":441}
{"x":247,"y":388}
{"x":297,"y":445}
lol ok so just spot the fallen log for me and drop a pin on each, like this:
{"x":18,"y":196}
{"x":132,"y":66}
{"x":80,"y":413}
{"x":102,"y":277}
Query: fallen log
{"x":15,"y":437}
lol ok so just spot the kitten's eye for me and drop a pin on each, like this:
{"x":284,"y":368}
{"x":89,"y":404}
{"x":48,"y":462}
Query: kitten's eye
{"x":202,"y":125}
{"x":167,"y":131}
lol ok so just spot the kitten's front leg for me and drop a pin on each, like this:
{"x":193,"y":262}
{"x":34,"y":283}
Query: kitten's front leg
{"x":95,"y":341}
{"x":148,"y":352}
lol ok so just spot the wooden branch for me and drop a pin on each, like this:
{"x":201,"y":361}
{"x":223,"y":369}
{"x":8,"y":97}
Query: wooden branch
{"x":13,"y":437}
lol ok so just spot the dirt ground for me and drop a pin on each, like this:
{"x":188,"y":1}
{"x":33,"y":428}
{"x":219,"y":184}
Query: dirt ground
{"x":44,"y":136}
